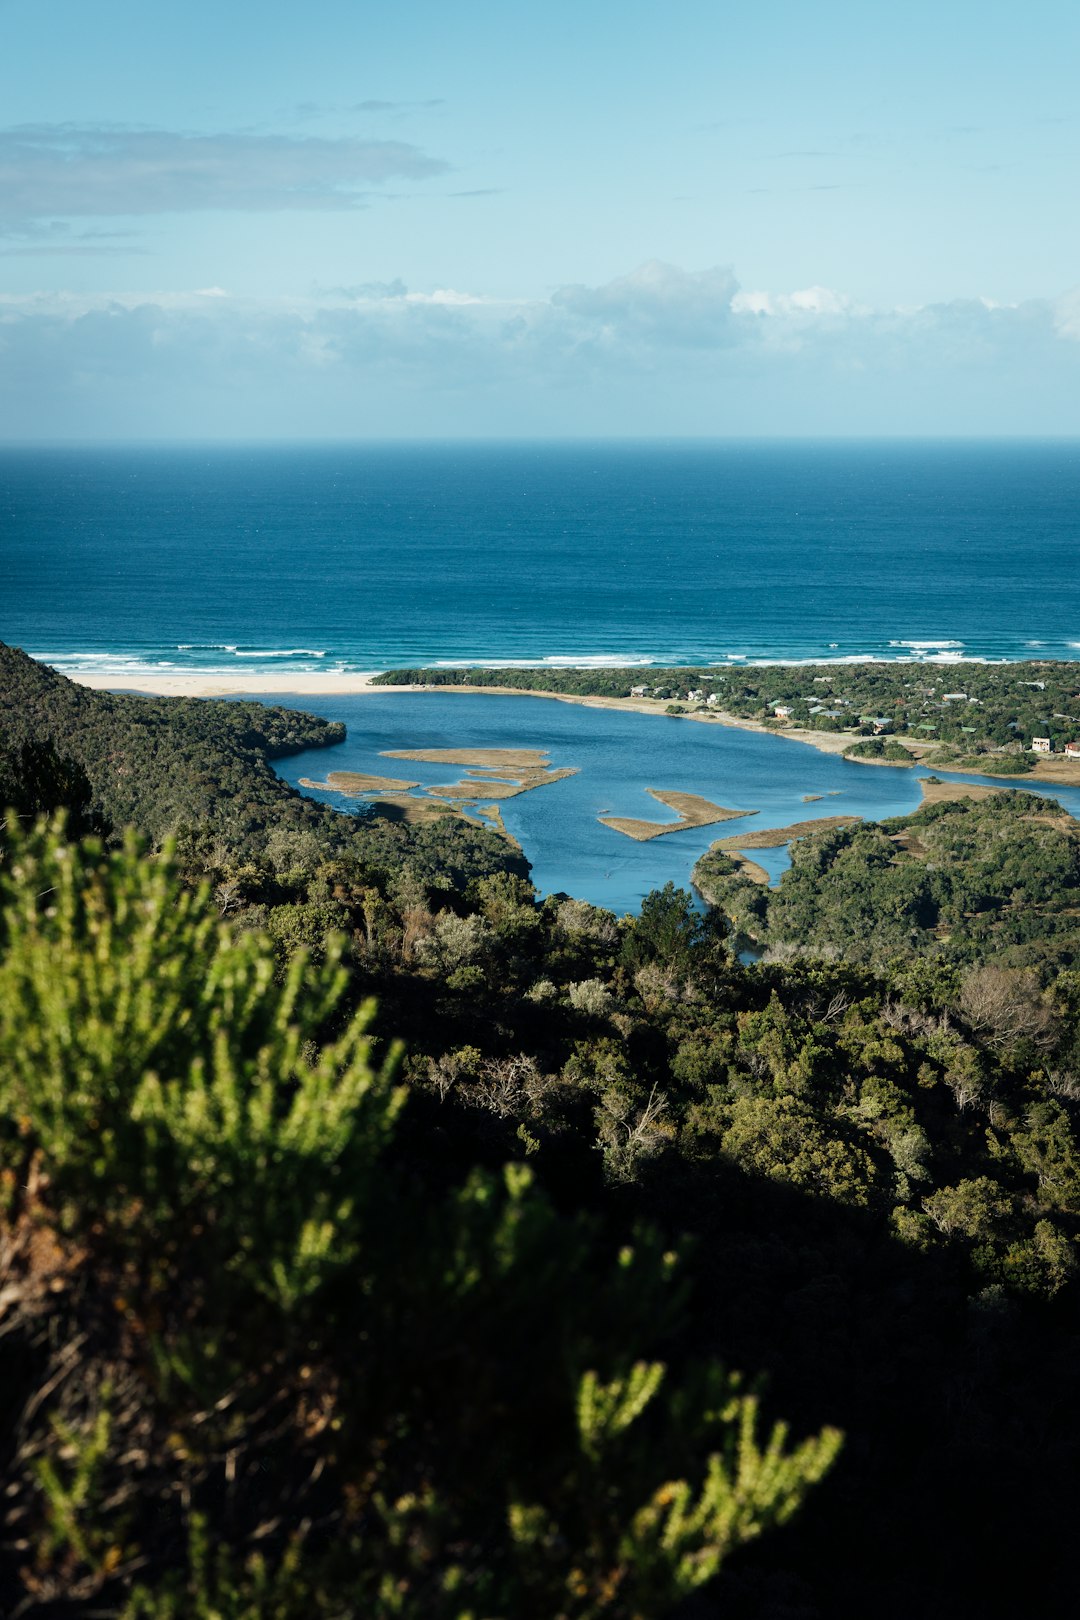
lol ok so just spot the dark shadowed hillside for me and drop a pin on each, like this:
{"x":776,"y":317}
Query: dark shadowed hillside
{"x":199,"y":771}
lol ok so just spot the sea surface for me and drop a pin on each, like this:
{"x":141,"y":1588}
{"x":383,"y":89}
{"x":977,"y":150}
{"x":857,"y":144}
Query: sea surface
{"x":359,"y":558}
{"x":618,"y":756}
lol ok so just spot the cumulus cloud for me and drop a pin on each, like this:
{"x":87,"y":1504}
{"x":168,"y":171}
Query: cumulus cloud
{"x":78,"y":170}
{"x":657,"y":304}
{"x":808,"y":301}
{"x":659,"y":350}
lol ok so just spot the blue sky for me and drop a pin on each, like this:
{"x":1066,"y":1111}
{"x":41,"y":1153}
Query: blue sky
{"x":583,"y":218}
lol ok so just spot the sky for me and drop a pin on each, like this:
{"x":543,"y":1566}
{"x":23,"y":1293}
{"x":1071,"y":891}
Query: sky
{"x":497,"y":218}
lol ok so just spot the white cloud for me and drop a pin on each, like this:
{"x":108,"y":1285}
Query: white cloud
{"x":809,"y":301}
{"x":446,"y":296}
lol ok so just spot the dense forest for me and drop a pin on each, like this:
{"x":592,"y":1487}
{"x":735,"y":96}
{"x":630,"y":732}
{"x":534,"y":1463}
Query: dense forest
{"x":980,"y":716}
{"x":956,"y":883}
{"x":381,"y":1240}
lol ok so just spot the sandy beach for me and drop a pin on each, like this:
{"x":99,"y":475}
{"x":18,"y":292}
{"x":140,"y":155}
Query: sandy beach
{"x":219,"y":683}
{"x":315,"y":683}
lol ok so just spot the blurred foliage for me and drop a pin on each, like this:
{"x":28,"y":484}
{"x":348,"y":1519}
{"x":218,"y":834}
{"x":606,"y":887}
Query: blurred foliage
{"x":417,"y":1405}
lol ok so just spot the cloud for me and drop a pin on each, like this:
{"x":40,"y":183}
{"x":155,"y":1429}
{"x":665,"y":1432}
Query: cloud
{"x":808,"y":301}
{"x":396,"y":106}
{"x":77,"y":171}
{"x":659,"y":350}
{"x":656,"y":304}
{"x":1067,"y":315}
{"x":71,"y":250}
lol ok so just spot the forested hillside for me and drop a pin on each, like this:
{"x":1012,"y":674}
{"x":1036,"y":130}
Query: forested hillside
{"x":198,"y":771}
{"x":958,"y":882}
{"x":284,"y":1336}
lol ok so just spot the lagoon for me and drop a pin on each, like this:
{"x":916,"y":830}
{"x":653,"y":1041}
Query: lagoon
{"x":617,"y":757}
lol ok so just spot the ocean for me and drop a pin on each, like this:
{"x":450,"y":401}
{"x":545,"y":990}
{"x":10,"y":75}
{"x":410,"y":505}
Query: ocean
{"x":330,"y":557}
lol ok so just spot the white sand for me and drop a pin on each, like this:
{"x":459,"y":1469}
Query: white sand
{"x":307,"y":683}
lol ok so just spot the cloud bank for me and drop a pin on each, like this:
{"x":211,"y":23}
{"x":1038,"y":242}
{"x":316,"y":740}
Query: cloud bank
{"x":657,"y":351}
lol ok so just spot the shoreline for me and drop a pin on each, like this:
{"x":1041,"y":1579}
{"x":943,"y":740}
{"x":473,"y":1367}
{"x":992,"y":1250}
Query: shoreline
{"x":316,"y":683}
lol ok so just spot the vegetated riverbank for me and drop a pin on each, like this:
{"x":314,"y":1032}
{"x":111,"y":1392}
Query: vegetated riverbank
{"x":989,"y":727}
{"x":726,"y":857}
{"x":1019,"y":700}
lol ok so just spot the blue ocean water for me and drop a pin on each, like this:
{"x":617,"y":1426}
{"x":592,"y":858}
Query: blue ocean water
{"x":363,"y":557}
{"x":618,"y":755}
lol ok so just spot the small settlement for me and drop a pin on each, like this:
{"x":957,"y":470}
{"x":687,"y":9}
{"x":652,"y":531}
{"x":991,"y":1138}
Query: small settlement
{"x":921,"y":711}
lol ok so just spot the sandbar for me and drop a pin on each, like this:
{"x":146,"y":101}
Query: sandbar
{"x":354,"y":783}
{"x":774,"y":837}
{"x":498,"y":773}
{"x":693,"y":811}
{"x":502,"y":759}
{"x":939,"y":792}
{"x":473,"y":789}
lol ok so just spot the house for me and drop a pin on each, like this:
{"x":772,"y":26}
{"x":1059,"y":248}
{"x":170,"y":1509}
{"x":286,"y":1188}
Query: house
{"x":638,"y":691}
{"x":954,"y":697}
{"x":1073,"y":750}
{"x":782,"y":711}
{"x":696,"y":696}
{"x":1041,"y":745}
{"x":713,"y":699}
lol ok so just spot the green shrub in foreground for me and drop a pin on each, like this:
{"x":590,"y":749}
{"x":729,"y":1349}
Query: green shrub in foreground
{"x":276,"y":1371}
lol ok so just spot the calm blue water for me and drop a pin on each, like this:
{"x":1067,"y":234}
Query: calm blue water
{"x":619,"y":756}
{"x":359,"y":558}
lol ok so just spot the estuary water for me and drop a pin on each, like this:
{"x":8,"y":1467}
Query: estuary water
{"x":366,"y":557}
{"x":618,"y":756}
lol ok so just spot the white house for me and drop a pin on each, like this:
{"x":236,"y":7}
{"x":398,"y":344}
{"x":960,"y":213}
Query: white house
{"x":713,"y":699}
{"x":638,"y":691}
{"x":1073,"y":750}
{"x":696,"y":696}
{"x":1041,"y":745}
{"x":782,"y":711}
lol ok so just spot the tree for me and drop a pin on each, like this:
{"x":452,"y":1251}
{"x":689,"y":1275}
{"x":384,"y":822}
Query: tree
{"x":666,"y":932}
